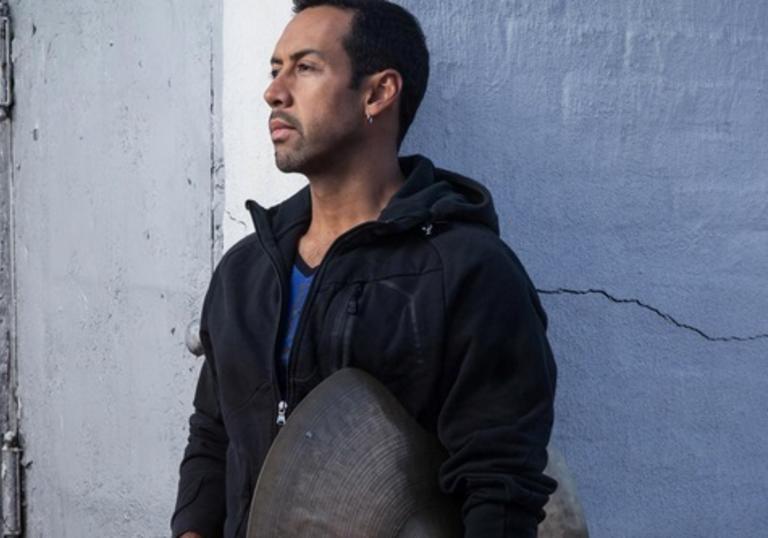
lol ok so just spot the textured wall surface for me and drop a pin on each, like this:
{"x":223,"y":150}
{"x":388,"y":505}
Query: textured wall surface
{"x":626,"y":144}
{"x":250,"y":34}
{"x":7,"y":305}
{"x":114,"y":147}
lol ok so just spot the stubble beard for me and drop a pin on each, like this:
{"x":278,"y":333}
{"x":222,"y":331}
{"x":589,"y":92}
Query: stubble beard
{"x":307,"y":158}
{"x":291,"y":160}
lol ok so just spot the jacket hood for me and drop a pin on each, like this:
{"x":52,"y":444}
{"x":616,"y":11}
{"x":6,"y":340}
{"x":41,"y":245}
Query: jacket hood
{"x":429,"y":194}
{"x":439,"y":195}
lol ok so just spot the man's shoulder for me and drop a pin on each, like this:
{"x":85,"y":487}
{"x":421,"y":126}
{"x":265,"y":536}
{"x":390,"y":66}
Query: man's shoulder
{"x":468,"y":249}
{"x":467,"y":242}
{"x":237,"y":261}
{"x":243,"y":250}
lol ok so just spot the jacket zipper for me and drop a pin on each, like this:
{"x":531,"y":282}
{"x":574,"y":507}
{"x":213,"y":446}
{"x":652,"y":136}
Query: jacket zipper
{"x":311,"y":293}
{"x":339,"y":333}
{"x":282,"y":408}
{"x":283,"y":401}
{"x":279,"y":397}
{"x":349,"y":315}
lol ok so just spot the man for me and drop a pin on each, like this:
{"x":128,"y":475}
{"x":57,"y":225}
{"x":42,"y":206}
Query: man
{"x":385,"y":264}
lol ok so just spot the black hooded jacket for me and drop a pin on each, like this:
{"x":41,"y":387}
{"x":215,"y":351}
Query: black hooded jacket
{"x":430,"y":301}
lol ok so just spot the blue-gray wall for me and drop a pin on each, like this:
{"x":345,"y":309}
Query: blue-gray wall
{"x":626,"y":144}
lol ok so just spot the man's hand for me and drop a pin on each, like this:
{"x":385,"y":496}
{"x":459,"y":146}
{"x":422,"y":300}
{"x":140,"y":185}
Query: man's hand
{"x":191,"y":535}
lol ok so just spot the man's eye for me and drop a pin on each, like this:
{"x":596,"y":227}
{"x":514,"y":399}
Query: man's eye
{"x":304,"y":67}
{"x":273,"y":73}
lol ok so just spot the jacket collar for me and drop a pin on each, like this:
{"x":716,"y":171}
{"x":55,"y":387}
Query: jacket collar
{"x":428,"y":194}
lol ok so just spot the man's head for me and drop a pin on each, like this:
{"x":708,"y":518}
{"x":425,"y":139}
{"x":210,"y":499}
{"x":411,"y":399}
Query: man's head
{"x":337,"y":63}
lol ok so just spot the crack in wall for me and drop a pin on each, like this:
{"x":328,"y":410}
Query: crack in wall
{"x":663,"y":315}
{"x":212,"y":141}
{"x":235,"y":219}
{"x":216,"y":155}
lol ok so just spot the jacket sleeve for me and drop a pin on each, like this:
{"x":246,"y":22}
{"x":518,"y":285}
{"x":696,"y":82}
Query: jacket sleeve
{"x":200,"y":504}
{"x":497,"y":416}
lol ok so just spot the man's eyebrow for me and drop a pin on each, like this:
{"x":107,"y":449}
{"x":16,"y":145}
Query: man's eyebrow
{"x":297,"y":55}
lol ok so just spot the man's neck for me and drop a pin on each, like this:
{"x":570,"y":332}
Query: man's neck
{"x":353,"y":193}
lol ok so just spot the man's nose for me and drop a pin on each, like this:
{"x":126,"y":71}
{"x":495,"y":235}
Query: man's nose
{"x":277,"y":94}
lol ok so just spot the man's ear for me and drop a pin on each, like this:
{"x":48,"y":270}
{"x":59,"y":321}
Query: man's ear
{"x":383,"y":93}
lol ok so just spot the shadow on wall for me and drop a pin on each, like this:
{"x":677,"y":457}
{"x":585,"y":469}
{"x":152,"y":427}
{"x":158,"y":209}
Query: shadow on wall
{"x":624,"y":145}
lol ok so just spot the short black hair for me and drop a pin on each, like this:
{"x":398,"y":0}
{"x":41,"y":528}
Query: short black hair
{"x":384,"y":36}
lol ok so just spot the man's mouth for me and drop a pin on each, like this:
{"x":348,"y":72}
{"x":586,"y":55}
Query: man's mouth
{"x":280,"y":130}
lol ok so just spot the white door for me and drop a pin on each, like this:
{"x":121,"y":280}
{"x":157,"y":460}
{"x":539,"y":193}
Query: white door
{"x":116,"y":188}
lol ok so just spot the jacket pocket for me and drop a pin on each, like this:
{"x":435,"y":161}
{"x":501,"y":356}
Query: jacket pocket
{"x":382,"y":331}
{"x":348,"y":325}
{"x":338,"y":337}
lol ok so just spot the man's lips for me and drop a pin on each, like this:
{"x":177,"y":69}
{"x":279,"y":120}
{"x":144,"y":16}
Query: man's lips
{"x":280,"y":130}
{"x":279,"y":124}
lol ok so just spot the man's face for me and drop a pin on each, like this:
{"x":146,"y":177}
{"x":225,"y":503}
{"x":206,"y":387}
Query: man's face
{"x":315,"y":115}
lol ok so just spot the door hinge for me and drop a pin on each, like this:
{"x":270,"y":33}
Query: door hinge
{"x":10,"y":478}
{"x":6,"y":64}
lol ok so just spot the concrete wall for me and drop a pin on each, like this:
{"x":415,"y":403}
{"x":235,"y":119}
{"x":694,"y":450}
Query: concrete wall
{"x":116,"y":163}
{"x":250,"y":34}
{"x":625,"y":143}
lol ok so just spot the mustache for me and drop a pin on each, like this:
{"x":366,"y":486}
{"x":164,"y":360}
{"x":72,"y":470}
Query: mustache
{"x":287,"y":118}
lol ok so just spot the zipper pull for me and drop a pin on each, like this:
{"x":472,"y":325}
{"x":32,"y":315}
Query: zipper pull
{"x":282,"y":407}
{"x":352,"y":304}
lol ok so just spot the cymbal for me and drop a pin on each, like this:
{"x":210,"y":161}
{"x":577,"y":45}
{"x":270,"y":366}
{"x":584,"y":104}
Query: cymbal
{"x":351,"y":462}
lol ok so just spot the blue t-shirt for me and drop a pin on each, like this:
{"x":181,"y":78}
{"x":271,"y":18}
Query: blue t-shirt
{"x":301,"y":279}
